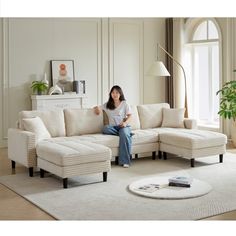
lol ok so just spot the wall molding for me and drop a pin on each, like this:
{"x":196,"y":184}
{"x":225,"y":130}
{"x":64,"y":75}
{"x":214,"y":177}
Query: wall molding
{"x":140,"y":24}
{"x":105,"y":59}
{"x":5,"y":86}
{"x":99,"y":60}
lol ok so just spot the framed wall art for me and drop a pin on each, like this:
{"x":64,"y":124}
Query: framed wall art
{"x":63,"y":74}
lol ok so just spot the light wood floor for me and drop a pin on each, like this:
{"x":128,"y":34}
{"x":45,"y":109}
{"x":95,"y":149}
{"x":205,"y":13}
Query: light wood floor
{"x":14,"y":207}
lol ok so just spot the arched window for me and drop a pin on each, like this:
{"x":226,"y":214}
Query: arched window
{"x":205,"y":73}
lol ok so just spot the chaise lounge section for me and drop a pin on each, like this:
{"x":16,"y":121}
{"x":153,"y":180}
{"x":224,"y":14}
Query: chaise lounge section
{"x":72,"y":158}
{"x":192,"y":144}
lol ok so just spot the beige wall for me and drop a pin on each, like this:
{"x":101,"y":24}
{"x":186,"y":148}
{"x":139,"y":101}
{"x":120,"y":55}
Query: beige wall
{"x":153,"y":88}
{"x":105,"y":52}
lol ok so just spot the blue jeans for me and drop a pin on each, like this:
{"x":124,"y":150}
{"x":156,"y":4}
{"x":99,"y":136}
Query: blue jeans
{"x":125,"y":141}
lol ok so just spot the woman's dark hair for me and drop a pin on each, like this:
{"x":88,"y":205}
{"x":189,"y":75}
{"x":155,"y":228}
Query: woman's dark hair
{"x":110,"y":103}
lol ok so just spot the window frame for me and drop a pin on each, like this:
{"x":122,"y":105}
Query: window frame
{"x":209,"y":43}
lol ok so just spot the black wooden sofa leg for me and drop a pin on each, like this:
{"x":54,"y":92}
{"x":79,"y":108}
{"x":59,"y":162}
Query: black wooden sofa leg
{"x":136,"y":156}
{"x":65,"y":182}
{"x":192,"y":162}
{"x":31,"y":171}
{"x":159,"y":154}
{"x":13,"y":164}
{"x":41,"y":173}
{"x":116,"y":160}
{"x":221,"y":158}
{"x":104,"y":176}
{"x":153,"y":155}
{"x":165,"y":155}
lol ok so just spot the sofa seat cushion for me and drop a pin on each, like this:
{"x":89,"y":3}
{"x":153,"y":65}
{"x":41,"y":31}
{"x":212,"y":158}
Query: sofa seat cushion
{"x":110,"y":141}
{"x":165,"y":130}
{"x":162,"y":130}
{"x":71,"y":152}
{"x":144,"y":136}
{"x":193,"y":139}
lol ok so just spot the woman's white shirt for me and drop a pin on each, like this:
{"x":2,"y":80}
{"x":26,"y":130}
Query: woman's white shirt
{"x":117,"y":115}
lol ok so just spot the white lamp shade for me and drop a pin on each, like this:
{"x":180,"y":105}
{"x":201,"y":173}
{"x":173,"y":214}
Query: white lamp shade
{"x":158,"y":69}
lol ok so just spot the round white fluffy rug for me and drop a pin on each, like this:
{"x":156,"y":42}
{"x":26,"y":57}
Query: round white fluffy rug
{"x":147,"y":188}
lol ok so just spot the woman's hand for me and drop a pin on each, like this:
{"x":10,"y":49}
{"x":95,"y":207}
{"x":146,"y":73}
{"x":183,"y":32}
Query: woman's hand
{"x":97,"y":110}
{"x":123,"y":124}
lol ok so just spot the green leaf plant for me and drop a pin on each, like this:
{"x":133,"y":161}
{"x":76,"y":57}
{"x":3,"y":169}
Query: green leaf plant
{"x":39,"y":87}
{"x":228,"y":100}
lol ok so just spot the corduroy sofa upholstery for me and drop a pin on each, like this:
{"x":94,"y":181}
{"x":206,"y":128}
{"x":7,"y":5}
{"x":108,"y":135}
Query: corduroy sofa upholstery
{"x":76,"y":138}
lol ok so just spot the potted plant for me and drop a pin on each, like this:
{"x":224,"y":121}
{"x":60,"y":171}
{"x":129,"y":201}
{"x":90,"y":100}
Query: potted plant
{"x":39,"y":87}
{"x":228,"y":105}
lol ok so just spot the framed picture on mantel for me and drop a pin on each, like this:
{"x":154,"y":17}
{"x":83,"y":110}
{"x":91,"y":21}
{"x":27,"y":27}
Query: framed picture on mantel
{"x":63,"y":74}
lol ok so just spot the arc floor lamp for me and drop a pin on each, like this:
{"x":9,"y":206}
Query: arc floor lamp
{"x":159,"y":69}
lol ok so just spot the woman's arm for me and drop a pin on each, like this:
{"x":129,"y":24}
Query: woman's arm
{"x":97,"y":110}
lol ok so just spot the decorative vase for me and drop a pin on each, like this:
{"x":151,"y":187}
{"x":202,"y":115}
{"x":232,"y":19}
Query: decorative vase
{"x":45,"y":79}
{"x":233,"y":132}
{"x":76,"y":86}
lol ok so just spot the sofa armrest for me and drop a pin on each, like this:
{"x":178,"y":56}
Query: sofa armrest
{"x":21,"y":147}
{"x":190,"y":123}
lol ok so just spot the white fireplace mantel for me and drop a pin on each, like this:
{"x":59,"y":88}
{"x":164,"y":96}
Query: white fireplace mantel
{"x":51,"y":102}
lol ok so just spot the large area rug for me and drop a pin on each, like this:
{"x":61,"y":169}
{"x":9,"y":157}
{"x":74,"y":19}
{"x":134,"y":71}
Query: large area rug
{"x":87,"y":198}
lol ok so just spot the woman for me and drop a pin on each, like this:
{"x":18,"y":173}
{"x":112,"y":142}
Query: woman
{"x":119,"y":116}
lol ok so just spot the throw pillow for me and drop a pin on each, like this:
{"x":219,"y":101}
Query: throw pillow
{"x":36,"y":125}
{"x":173,"y":118}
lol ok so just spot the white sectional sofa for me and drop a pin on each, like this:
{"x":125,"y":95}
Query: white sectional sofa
{"x":69,"y":142}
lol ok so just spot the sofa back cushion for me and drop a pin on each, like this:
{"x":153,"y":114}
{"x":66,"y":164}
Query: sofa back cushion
{"x":53,"y":120}
{"x":173,"y":118}
{"x":135,"y":122}
{"x":82,"y":121}
{"x":36,"y":125}
{"x":150,"y":115}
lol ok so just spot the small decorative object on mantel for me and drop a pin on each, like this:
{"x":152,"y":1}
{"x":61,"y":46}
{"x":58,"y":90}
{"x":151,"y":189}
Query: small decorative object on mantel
{"x":76,"y":86}
{"x":55,"y":90}
{"x":39,"y":87}
{"x":45,"y":79}
{"x":82,"y":87}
